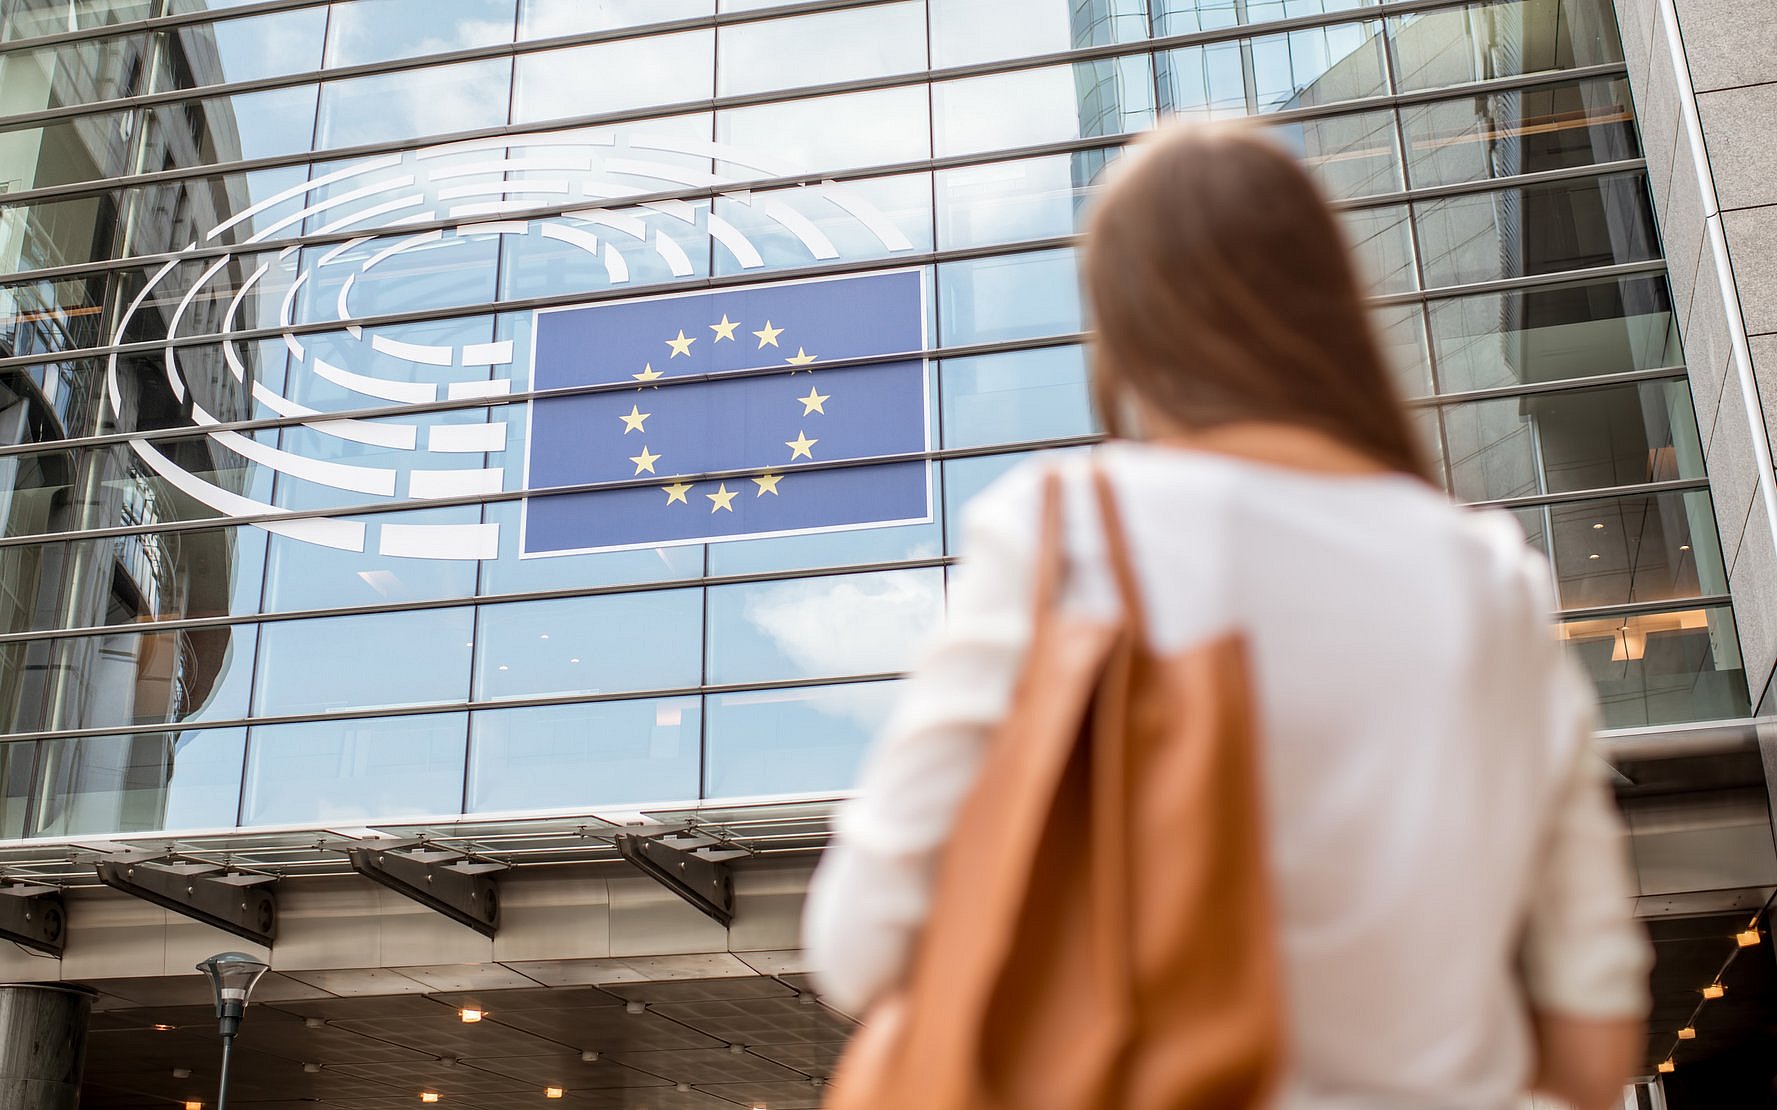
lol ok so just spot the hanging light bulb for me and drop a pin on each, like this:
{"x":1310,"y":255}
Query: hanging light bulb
{"x":1714,"y":990}
{"x":1688,"y":1033}
{"x":1747,"y":939}
{"x":1667,"y":1067}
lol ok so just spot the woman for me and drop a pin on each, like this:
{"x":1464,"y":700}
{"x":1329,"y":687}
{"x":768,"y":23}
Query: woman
{"x":1448,"y":896}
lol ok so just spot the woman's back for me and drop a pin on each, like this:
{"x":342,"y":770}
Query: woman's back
{"x":1419,"y":729}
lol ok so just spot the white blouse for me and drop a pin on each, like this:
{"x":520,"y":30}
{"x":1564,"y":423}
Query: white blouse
{"x":1444,"y":849}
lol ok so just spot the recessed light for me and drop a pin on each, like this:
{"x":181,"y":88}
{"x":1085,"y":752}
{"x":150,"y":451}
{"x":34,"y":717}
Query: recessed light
{"x":1594,"y":555}
{"x":682,"y":1088}
{"x":1748,"y":938}
{"x":181,"y":1073}
{"x":553,"y":1092}
{"x":469,"y":1014}
{"x":429,"y":1096}
{"x":312,"y":1069}
{"x":635,"y":1006}
{"x":164,"y":1028}
{"x":590,"y":1056}
{"x":1687,"y":1034}
{"x":194,"y":1106}
{"x":1666,"y":1067}
{"x":1684,"y":547}
{"x":1714,"y":990}
{"x":1598,"y":527}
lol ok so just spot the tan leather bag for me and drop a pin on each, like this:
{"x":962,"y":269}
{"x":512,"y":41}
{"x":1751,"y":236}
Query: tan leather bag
{"x":1102,"y":936}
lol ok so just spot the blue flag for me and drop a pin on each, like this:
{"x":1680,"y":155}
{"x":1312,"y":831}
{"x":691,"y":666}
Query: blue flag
{"x":670,"y":425}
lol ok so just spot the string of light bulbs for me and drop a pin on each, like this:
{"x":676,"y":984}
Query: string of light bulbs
{"x":1746,"y":938}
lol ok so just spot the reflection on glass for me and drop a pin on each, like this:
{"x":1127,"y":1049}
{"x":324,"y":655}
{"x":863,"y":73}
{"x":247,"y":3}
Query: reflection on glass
{"x":138,"y":783}
{"x":614,"y":76}
{"x":1053,"y":104}
{"x":389,"y":29}
{"x":1019,"y":296}
{"x":843,"y":45}
{"x":512,"y":574}
{"x":1476,"y":138}
{"x":845,"y":131}
{"x":1629,"y":550}
{"x":264,"y":124}
{"x":969,"y":31}
{"x":1537,"y":229}
{"x":1004,"y":202}
{"x":1400,"y":330}
{"x":542,"y":19}
{"x":875,"y":218}
{"x":142,"y":678}
{"x":1350,"y":156}
{"x":1206,"y":82}
{"x":28,"y":20}
{"x":364,"y":662}
{"x":413,"y":103}
{"x":1452,"y":46}
{"x":1318,"y":65}
{"x":600,"y":754}
{"x":791,"y":741}
{"x":303,"y":575}
{"x":327,"y":772}
{"x":964,"y":479}
{"x":1660,"y":668}
{"x":1016,"y":397}
{"x":854,"y":624}
{"x":1553,"y":333}
{"x":1585,"y":439}
{"x":154,"y":576}
{"x":67,"y":151}
{"x":1382,"y":240}
{"x":589,"y":645}
{"x":250,"y":48}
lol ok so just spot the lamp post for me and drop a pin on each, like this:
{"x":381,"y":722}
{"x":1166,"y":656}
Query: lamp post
{"x":232,"y":975}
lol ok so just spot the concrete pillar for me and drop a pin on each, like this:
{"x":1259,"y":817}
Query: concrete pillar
{"x":42,"y":1045}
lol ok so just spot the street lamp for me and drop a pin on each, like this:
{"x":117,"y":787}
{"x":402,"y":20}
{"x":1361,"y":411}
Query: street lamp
{"x":232,"y":975}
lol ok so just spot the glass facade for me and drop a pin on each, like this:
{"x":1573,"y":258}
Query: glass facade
{"x":270,"y":368}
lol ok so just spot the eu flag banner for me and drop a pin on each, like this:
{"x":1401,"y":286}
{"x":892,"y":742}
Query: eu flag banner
{"x":672,"y":424}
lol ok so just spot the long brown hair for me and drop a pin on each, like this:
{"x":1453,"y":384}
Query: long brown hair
{"x":1223,"y":292}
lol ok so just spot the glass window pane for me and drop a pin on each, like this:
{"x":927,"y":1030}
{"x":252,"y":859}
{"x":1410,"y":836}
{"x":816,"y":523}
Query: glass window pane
{"x":876,"y":218}
{"x":1205,"y":82}
{"x":1553,"y":333}
{"x":52,"y":17}
{"x":140,"y":783}
{"x":827,"y":133}
{"x":1318,"y":65}
{"x":328,"y":772}
{"x":415,"y":103}
{"x":140,"y":678}
{"x":1008,"y":201}
{"x":264,"y":124}
{"x":73,"y":73}
{"x":1020,"y":296}
{"x":1476,"y":138}
{"x":590,"y":645}
{"x":853,"y":45}
{"x":601,"y":754}
{"x":969,"y":31}
{"x":1662,"y":668}
{"x":305,"y":575}
{"x":67,"y":151}
{"x":1400,"y":329}
{"x":1382,"y":241}
{"x":1629,"y":550}
{"x":1016,"y":397}
{"x":383,"y":30}
{"x":792,"y":741}
{"x":1452,"y":46}
{"x":249,"y":48}
{"x":542,"y":19}
{"x":854,"y":624}
{"x":1185,"y":17}
{"x":1585,"y":439}
{"x":614,"y":76}
{"x":362,"y":662}
{"x":1537,"y":229}
{"x":1350,"y":156}
{"x":155,"y":576}
{"x":1054,"y":104}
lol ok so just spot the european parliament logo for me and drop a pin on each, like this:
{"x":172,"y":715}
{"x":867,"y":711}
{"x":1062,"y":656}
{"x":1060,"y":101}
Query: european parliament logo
{"x":720,"y":420}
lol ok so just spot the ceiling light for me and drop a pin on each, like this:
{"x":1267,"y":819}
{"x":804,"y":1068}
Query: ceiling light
{"x":1684,"y":547}
{"x":165,"y":1028}
{"x":429,"y":1096}
{"x":737,"y":1049}
{"x":312,"y":1069}
{"x":1666,"y":1067}
{"x":590,"y":1056}
{"x":1598,"y":527}
{"x":807,"y":998}
{"x":1714,"y":990}
{"x":1748,"y":938}
{"x":635,"y":1006}
{"x":469,"y":1014}
{"x":503,"y":666}
{"x":543,"y":636}
{"x":574,"y":660}
{"x":682,"y":1088}
{"x":553,"y":1092}
{"x":1593,"y":556}
{"x":314,"y":1023}
{"x":194,"y":1106}
{"x":1688,"y":1033}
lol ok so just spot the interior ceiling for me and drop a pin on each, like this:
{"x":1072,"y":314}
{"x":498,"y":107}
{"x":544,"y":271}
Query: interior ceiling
{"x":1689,"y":953}
{"x":701,"y":1044}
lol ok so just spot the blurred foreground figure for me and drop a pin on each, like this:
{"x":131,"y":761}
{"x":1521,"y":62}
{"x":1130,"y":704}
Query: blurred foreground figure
{"x":1249,"y":771}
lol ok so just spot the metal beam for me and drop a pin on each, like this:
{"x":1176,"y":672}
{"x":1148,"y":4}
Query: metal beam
{"x":705,"y":883}
{"x":235,"y":902}
{"x":454,"y":885}
{"x":34,"y":916}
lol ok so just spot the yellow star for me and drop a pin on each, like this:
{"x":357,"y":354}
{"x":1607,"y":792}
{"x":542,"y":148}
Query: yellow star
{"x":644,"y":461}
{"x":767,"y":483}
{"x":721,"y":498}
{"x":800,"y":445}
{"x":769,"y":335}
{"x":677,"y":492}
{"x":681,"y":345}
{"x":813,"y":402}
{"x":648,"y":374}
{"x":800,"y":358}
{"x":724,"y":330}
{"x":633,"y":422}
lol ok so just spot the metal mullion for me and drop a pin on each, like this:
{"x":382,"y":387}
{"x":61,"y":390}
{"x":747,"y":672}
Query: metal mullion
{"x":381,"y":508}
{"x":1487,"y":185}
{"x":452,"y":404}
{"x":1516,"y":284}
{"x":433,"y":709}
{"x":559,"y":593}
{"x":1602,"y":493}
{"x":979,"y":69}
{"x":1641,"y":608}
{"x":152,"y":23}
{"x":1563,"y":385}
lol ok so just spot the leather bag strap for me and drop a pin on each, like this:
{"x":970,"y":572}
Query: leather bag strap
{"x":1051,"y":548}
{"x":1116,"y":545}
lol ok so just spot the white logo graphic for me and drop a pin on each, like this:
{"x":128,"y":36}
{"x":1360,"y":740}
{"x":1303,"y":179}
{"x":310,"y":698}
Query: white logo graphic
{"x":357,"y":368}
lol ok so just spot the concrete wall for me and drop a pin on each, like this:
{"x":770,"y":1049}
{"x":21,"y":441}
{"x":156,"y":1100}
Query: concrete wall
{"x":1704,"y":76}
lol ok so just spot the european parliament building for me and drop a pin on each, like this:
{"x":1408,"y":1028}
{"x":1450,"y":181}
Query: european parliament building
{"x":473,"y":472}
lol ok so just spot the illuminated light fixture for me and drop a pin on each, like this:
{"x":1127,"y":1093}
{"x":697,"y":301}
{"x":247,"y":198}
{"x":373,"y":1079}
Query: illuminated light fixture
{"x":590,"y":1056}
{"x":634,"y":1006}
{"x":553,"y":1092}
{"x":543,"y":636}
{"x":1598,"y":527}
{"x":469,"y":1015}
{"x":1747,"y":939}
{"x":181,"y":1073}
{"x":1714,"y":990}
{"x":1666,"y":1067}
{"x":575,"y":660}
{"x":165,"y":1028}
{"x":682,"y":1088}
{"x":429,"y":1096}
{"x":503,"y":667}
{"x":1593,"y":556}
{"x":1688,"y":1033}
{"x":194,"y":1106}
{"x":1684,"y":547}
